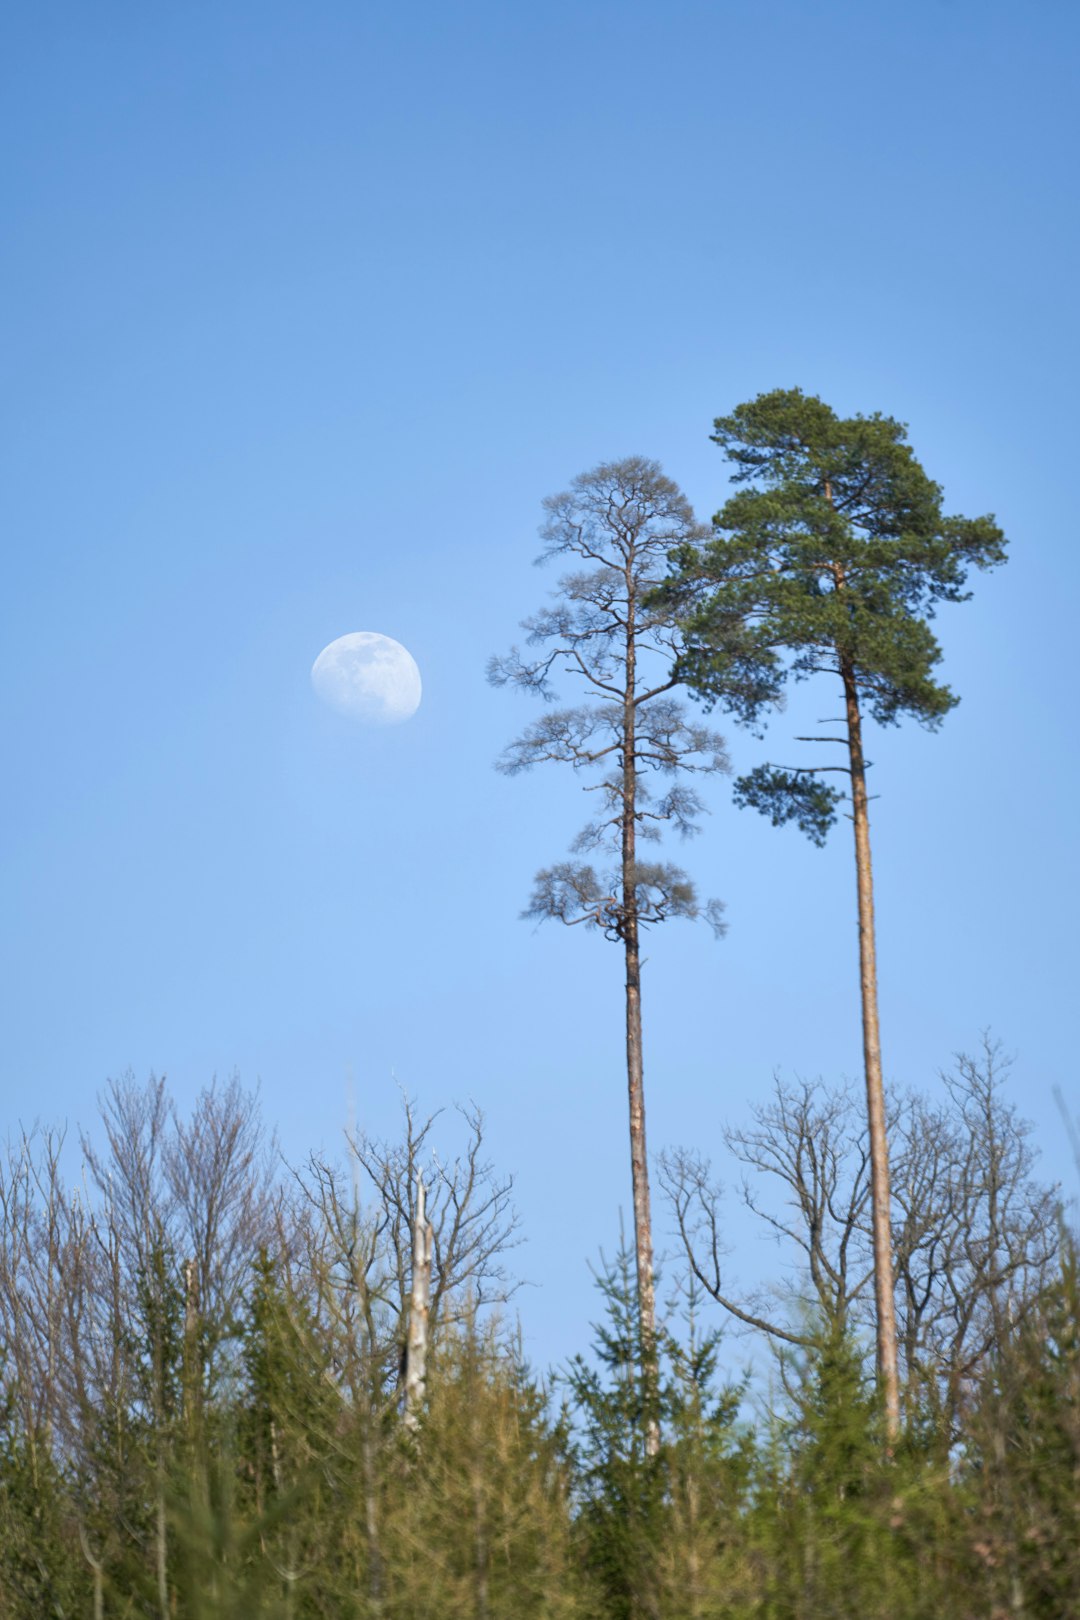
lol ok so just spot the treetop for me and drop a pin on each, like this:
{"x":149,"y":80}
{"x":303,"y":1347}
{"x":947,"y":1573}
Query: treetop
{"x":833,"y":552}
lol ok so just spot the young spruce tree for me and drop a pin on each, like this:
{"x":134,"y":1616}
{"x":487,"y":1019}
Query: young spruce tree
{"x":829,"y":560}
{"x":618,"y":524}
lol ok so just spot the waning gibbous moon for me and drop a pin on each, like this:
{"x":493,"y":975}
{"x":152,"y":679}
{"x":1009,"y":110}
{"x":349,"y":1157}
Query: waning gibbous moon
{"x":368,"y":677}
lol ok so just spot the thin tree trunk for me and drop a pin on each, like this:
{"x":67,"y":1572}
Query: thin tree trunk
{"x":192,"y":1378}
{"x":884,"y":1299}
{"x":161,"y":1546}
{"x":161,"y":1543}
{"x":99,"y":1575}
{"x":416,"y":1344}
{"x":481,"y":1555}
{"x":635,"y":1068}
{"x":371,"y":1521}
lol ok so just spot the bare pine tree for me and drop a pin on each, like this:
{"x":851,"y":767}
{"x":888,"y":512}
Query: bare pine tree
{"x":805,"y":1175}
{"x":618,"y":523}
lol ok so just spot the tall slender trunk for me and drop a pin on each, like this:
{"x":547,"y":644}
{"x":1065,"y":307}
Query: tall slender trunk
{"x":635,"y":1068}
{"x":884,"y":1299}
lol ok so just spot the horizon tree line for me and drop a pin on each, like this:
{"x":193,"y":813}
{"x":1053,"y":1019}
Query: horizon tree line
{"x":256,"y":1448}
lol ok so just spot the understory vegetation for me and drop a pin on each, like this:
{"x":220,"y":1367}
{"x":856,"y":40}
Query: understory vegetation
{"x":203,"y":1409}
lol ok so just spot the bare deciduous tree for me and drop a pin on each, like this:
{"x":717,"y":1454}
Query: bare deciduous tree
{"x":469,"y":1207}
{"x":136,"y":1303}
{"x":352,"y":1258}
{"x":220,"y":1170}
{"x":346,"y":1240}
{"x":806,"y":1144}
{"x":975,"y":1230}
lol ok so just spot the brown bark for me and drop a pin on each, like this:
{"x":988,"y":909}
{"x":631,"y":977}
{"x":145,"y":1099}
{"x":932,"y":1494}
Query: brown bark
{"x":884,"y":1300}
{"x":635,"y":1067}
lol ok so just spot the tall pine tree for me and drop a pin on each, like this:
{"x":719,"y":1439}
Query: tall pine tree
{"x":604,"y":632}
{"x":829,"y":560}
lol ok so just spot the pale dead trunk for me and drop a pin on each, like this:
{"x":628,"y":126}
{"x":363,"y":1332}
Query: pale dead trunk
{"x":98,"y":1573}
{"x":635,"y":1066}
{"x":416,"y":1345}
{"x":884,"y":1299}
{"x":192,"y":1379}
{"x":275,"y":1456}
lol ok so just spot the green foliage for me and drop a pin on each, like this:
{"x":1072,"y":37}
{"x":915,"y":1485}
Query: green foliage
{"x":785,"y":796}
{"x":619,"y":1485}
{"x":836,"y":1419}
{"x":1022,"y":1460}
{"x":830,"y":558}
{"x":838,"y":544}
{"x":114,"y":1496}
{"x":291,"y":1407}
{"x":842,"y":1527}
{"x":155,"y":1336}
{"x":707,"y":1456}
{"x":660,"y":1532}
{"x":221,"y":1564}
{"x":41,"y":1571}
{"x":478,"y":1516}
{"x":291,"y":1489}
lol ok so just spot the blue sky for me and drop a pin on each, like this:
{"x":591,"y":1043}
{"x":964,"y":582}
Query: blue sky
{"x":306,"y":307}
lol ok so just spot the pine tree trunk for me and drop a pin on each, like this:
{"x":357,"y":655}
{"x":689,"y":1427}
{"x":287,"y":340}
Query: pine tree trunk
{"x":635,"y":1068}
{"x":884,"y":1299}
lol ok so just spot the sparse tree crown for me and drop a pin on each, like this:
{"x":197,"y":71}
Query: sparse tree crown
{"x":607,"y":629}
{"x":621,"y":520}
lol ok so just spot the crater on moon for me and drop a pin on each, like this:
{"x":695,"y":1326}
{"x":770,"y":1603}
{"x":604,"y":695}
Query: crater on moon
{"x":368,"y":677}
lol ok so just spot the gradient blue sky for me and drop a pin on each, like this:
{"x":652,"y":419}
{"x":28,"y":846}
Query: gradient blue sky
{"x":305,"y":309}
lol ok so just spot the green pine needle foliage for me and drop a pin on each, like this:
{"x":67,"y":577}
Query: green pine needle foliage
{"x":831,"y":557}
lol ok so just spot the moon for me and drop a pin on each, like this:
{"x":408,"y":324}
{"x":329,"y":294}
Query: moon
{"x":368,"y":677}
